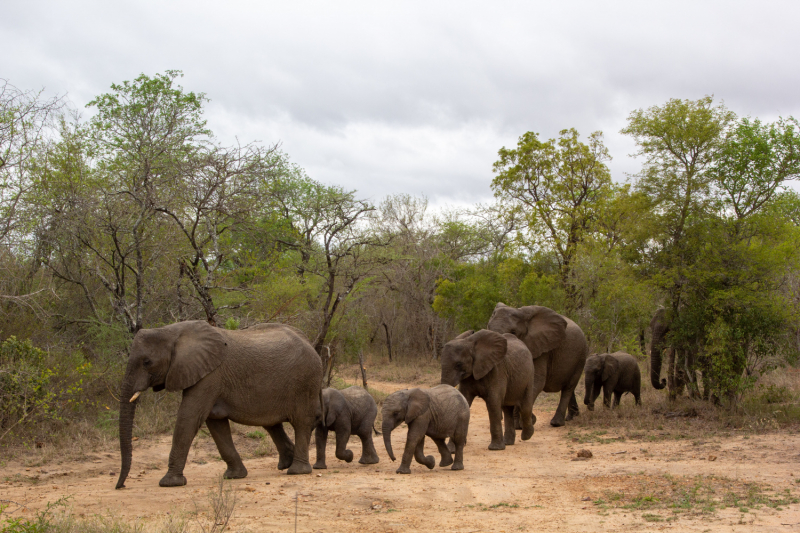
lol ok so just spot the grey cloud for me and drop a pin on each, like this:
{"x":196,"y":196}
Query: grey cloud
{"x":416,"y":97}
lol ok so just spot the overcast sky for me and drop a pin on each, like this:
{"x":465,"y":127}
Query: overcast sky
{"x":415,"y":97}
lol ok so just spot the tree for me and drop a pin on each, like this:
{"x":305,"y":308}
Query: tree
{"x":332,"y":239}
{"x":557,"y":185}
{"x":114,"y":173}
{"x":218,"y":193}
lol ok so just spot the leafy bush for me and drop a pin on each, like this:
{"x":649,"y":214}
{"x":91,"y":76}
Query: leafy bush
{"x":33,"y":389}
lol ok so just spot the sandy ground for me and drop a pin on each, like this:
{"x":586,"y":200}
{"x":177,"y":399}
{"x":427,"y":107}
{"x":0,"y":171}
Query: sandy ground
{"x":532,"y":486}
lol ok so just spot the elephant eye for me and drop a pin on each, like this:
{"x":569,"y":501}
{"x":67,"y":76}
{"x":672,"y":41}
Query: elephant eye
{"x":459,"y":366}
{"x":147,"y":363}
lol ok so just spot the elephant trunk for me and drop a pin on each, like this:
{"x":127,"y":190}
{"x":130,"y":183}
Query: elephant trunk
{"x":387,"y":438}
{"x":656,"y":348}
{"x":126,"y":412}
{"x":588,"y":401}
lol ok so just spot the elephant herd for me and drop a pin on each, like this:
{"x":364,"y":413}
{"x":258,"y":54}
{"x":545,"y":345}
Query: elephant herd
{"x":269,"y":374}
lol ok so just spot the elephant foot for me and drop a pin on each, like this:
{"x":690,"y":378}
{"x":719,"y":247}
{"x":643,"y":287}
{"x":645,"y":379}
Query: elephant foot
{"x":451,"y":447}
{"x":299,"y":468}
{"x":285,"y":461}
{"x":403,"y":470}
{"x":457,"y":466}
{"x":557,"y":422}
{"x":590,"y":407}
{"x":430,"y":462}
{"x":527,"y":433}
{"x":346,"y":456}
{"x":509,"y":439}
{"x":172,"y":480}
{"x":497,"y":445}
{"x":446,"y":461}
{"x":369,"y":460}
{"x":517,"y":424}
{"x":320,"y":466}
{"x":570,"y":416}
{"x":238,"y":472}
{"x":533,"y":419}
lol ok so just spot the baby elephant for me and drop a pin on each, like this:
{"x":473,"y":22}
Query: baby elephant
{"x":439,"y":412}
{"x":616,"y":373}
{"x":351,"y":411}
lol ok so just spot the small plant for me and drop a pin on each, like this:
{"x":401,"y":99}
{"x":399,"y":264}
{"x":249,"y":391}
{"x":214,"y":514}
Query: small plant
{"x":255,"y":435}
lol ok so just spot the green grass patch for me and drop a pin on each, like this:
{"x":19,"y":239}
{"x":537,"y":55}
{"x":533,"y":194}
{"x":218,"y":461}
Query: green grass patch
{"x":697,"y":495}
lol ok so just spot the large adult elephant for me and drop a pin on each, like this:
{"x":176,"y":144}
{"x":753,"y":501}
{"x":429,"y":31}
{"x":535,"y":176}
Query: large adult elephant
{"x":260,"y":376}
{"x":497,"y":368}
{"x":557,"y":345}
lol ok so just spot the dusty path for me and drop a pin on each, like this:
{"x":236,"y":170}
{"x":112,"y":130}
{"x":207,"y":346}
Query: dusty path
{"x":531,"y":486}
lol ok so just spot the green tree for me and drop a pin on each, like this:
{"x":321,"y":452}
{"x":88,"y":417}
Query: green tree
{"x":558,"y":187}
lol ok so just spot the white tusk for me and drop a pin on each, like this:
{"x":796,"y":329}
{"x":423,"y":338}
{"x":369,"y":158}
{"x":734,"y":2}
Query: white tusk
{"x":133,"y":398}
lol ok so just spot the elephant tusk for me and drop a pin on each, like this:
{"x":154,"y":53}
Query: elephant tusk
{"x":136,"y":395}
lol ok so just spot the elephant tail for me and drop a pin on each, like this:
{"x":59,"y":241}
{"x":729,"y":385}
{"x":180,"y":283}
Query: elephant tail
{"x":376,"y":430}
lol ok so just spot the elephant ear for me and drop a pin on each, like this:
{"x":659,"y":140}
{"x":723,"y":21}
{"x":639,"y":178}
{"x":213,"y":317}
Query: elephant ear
{"x":490,"y":348}
{"x":335,"y":406}
{"x":610,"y":367}
{"x":198,"y":350}
{"x":465,"y":334}
{"x":418,"y":403}
{"x":546,"y":329}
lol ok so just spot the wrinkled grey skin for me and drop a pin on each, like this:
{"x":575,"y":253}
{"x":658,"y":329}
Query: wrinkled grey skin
{"x":439,"y":412}
{"x":351,"y":411}
{"x":499,"y":369}
{"x":557,"y":345}
{"x":260,"y":376}
{"x":613,"y":373}
{"x":659,"y":327}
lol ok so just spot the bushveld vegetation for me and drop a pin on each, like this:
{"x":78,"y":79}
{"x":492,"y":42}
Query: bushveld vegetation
{"x":139,"y":216}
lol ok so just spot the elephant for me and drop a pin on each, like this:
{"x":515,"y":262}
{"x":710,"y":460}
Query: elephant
{"x":351,"y":411}
{"x":615,"y":373}
{"x":659,"y":327}
{"x":557,"y":345}
{"x":260,"y":376}
{"x":439,"y":412}
{"x":499,"y":369}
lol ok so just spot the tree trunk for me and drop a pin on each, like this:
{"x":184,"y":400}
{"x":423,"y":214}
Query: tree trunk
{"x":388,"y":340}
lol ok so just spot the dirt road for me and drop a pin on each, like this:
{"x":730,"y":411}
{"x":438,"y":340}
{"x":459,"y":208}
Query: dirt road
{"x":536,"y":485}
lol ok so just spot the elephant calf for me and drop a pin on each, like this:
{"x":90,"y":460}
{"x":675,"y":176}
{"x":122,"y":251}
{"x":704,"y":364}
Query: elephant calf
{"x":351,"y":411}
{"x":439,"y":412}
{"x":615,"y":373}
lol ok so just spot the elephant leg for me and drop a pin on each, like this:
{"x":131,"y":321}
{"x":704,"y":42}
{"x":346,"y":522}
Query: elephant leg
{"x":284,"y":445}
{"x":415,"y":436}
{"x":342,"y":436}
{"x":460,"y":439}
{"x":637,"y":398}
{"x":191,"y":414}
{"x":493,"y":405}
{"x":303,"y":427}
{"x":567,"y":398}
{"x":617,"y":398}
{"x":516,"y":416}
{"x":421,"y":458}
{"x":510,"y":433}
{"x":526,"y":414}
{"x":368,"y":454}
{"x":451,"y":444}
{"x":221,"y":433}
{"x":447,"y":458}
{"x":321,"y":440}
{"x":572,"y":408}
{"x":559,"y":418}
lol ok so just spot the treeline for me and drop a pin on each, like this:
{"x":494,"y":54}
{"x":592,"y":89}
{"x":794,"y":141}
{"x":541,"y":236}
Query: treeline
{"x":139,"y":217}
